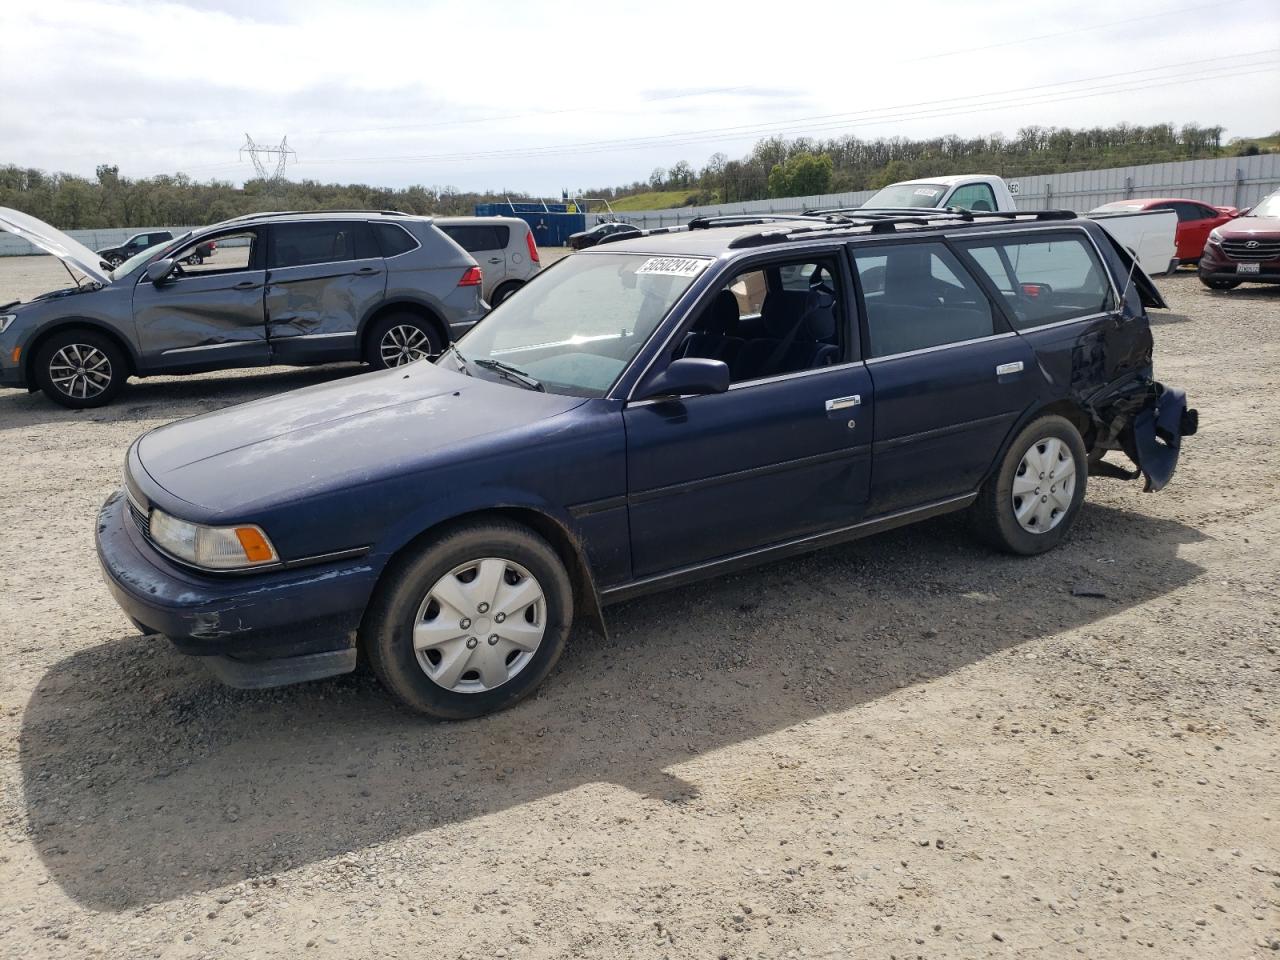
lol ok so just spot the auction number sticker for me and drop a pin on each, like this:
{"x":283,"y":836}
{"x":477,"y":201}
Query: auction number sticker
{"x":926,"y":192}
{"x":671,"y":267}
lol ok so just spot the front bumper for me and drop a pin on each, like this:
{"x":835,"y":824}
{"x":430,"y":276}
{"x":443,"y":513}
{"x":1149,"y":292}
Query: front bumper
{"x":263,"y":625}
{"x":12,"y":377}
{"x":1216,"y":265}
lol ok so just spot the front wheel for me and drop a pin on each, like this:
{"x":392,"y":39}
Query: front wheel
{"x":1028,"y":505}
{"x":80,"y":368}
{"x":1219,"y":283}
{"x":401,"y":338}
{"x":471,"y":623}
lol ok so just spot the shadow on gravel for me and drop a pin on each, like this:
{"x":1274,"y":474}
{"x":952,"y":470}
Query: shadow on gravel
{"x":169,"y":398}
{"x":145,"y":781}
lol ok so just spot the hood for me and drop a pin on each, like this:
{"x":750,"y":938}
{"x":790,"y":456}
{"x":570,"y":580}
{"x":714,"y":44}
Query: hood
{"x":51,"y":240}
{"x":1250,"y":227}
{"x":334,"y":436}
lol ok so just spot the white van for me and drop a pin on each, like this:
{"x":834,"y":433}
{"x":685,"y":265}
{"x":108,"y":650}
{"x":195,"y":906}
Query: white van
{"x":503,"y":247}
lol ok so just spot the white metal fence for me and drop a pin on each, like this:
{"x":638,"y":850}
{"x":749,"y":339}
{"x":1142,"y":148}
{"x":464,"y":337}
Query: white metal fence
{"x":1229,"y":181}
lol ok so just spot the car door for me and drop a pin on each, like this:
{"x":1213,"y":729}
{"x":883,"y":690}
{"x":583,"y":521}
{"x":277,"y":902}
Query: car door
{"x":776,"y":457}
{"x":204,"y":316}
{"x":949,"y":376}
{"x":1199,"y":221}
{"x":323,"y":277}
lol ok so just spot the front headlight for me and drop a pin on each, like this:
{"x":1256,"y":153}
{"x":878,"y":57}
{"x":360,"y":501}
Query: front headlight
{"x":1215,"y":236}
{"x":212,"y":548}
{"x":6,"y":319}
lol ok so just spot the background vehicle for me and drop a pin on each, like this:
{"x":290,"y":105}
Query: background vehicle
{"x":299,"y":288}
{"x":665,"y":430}
{"x":1150,"y":234}
{"x":1195,"y":220}
{"x":134,"y":245}
{"x":1246,"y":249}
{"x":592,"y":236}
{"x":503,"y":246}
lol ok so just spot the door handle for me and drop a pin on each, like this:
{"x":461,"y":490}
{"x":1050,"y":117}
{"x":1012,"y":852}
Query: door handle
{"x":1004,"y":369}
{"x":843,"y":403}
{"x":495,"y":259}
{"x":367,"y":271}
{"x":246,"y":285}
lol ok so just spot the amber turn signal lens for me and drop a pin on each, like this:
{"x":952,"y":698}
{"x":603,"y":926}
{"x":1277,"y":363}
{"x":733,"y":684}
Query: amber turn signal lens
{"x":256,"y":548}
{"x":17,"y":352}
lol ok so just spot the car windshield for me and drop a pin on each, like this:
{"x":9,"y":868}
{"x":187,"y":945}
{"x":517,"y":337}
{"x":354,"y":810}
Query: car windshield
{"x":576,"y":327}
{"x":138,"y":259}
{"x":908,"y":195}
{"x":1269,"y":207}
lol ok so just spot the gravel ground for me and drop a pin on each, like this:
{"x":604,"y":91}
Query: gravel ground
{"x":904,"y":747}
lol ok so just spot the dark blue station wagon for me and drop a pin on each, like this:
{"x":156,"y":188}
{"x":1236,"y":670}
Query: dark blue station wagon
{"x":647,"y":413}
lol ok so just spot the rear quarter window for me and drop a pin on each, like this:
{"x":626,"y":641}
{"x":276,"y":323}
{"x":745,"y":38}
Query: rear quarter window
{"x":393,"y":240}
{"x":1044,"y":279}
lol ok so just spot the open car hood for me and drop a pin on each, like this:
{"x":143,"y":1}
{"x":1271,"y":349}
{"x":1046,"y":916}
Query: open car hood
{"x":51,"y":240}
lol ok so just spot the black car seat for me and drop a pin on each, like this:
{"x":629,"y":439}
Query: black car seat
{"x":801,"y":329}
{"x":715,"y":336}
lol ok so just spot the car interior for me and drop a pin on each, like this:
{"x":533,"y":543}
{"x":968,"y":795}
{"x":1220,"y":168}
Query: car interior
{"x":795,"y":326}
{"x":235,"y":251}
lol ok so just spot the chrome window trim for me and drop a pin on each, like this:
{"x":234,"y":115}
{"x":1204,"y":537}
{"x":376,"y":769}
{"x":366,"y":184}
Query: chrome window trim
{"x":1063,"y":323}
{"x":941,"y":346}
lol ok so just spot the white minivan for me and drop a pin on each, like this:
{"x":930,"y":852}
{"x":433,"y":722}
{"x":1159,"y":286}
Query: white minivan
{"x":503,"y":247}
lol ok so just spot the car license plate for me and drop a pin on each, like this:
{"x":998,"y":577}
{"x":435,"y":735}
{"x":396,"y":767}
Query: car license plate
{"x":1247,"y":267}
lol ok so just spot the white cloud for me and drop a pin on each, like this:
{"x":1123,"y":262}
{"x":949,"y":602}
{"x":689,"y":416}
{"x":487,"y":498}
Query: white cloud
{"x":157,"y":87}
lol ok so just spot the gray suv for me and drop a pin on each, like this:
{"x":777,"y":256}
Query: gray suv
{"x":289,"y":288}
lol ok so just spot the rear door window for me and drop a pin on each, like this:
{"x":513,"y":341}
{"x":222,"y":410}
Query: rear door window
{"x":1044,"y":279}
{"x":479,"y":238}
{"x":917,"y":296}
{"x":323,"y":241}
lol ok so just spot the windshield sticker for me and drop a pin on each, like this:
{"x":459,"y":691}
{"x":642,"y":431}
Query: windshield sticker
{"x":926,"y":192}
{"x":671,"y":267}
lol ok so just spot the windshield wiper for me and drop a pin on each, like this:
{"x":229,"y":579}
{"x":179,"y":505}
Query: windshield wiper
{"x":507,"y":371}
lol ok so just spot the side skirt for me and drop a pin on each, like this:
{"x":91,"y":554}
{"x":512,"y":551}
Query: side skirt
{"x":779,"y":551}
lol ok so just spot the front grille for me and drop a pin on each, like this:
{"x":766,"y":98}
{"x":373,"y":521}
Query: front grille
{"x":143,"y":520}
{"x":1259,"y":251}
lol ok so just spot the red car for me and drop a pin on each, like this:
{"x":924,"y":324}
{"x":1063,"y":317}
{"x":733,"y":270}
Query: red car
{"x":1195,"y":220}
{"x":1247,"y":249}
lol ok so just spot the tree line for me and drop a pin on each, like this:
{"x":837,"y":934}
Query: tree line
{"x":775,"y":167}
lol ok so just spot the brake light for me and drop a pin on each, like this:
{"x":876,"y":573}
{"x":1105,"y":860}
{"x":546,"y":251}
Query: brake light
{"x":533,"y":247}
{"x":471,"y":278}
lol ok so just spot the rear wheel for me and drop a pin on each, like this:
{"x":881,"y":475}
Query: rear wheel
{"x":504,"y":291}
{"x":80,"y":368}
{"x":472,"y":623}
{"x":401,"y":338}
{"x":1220,"y":284}
{"x":1032,"y":500}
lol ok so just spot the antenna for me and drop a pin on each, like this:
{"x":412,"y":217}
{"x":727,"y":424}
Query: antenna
{"x":261,"y":156}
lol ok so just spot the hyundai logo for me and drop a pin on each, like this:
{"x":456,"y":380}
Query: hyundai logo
{"x":1251,"y":244}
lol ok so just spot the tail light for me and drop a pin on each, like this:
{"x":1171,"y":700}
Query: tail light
{"x":533,"y":247}
{"x":471,"y":278}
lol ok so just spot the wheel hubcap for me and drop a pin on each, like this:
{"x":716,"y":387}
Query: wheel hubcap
{"x":480,"y":625}
{"x":1044,"y":485}
{"x":80,"y":371}
{"x":404,"y":344}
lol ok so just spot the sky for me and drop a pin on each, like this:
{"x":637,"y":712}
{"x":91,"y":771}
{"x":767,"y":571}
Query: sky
{"x":539,"y":97}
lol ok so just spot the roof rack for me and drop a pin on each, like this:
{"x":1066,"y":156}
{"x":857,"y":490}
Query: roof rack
{"x":882,"y":221}
{"x":747,"y":219}
{"x":935,"y":213}
{"x":298,"y":213}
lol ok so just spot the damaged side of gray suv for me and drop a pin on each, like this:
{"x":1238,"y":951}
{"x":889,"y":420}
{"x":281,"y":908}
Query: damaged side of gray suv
{"x":298,"y":289}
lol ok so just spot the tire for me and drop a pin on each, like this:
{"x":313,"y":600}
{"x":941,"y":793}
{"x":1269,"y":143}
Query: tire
{"x":114,"y":260}
{"x":458,"y":674}
{"x":1220,"y":284}
{"x":81,"y":368}
{"x":995,"y":514}
{"x":401,"y":338}
{"x":504,"y":291}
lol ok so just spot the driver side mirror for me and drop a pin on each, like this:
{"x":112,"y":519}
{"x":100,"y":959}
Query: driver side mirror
{"x":158,"y":271}
{"x":687,"y":376}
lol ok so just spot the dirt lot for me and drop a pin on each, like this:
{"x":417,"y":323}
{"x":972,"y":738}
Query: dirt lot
{"x":905,"y":747}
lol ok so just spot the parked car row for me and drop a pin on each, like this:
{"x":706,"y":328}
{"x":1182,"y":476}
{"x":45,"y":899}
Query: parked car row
{"x":278,"y":288}
{"x":651,"y":412}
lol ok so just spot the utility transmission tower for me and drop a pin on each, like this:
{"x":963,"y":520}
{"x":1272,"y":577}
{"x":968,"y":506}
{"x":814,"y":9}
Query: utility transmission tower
{"x":261,"y":156}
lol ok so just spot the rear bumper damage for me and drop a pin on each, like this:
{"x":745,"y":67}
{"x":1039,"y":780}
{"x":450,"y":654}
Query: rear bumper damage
{"x":1147,"y":421}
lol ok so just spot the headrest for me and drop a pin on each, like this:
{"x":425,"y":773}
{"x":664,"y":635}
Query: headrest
{"x":814,"y":311}
{"x":819,"y":315}
{"x":721,"y":318}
